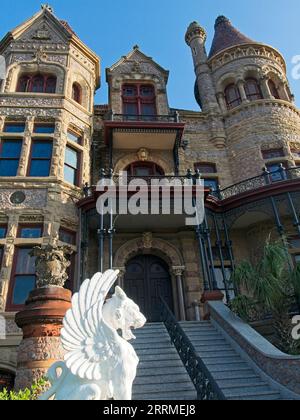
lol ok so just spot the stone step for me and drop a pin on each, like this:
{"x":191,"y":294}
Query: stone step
{"x":166,"y":378}
{"x":166,"y":396}
{"x":165,"y":387}
{"x":238,"y":374}
{"x":160,"y":364}
{"x":166,"y":351}
{"x":234,"y":376}
{"x":241,"y":382}
{"x":214,"y":349}
{"x":228,"y":367}
{"x":215,"y":360}
{"x":146,"y":346}
{"x":253,"y":393}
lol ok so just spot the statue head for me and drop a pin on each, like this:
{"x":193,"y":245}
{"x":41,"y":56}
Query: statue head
{"x":121,"y":313}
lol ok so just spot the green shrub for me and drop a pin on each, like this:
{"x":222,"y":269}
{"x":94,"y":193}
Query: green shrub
{"x":28,"y":394}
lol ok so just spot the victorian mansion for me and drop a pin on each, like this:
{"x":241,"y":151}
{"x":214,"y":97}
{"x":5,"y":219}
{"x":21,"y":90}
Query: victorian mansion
{"x":56,"y":143}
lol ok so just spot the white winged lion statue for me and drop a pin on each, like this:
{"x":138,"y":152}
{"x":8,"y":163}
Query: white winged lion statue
{"x":99,"y":363}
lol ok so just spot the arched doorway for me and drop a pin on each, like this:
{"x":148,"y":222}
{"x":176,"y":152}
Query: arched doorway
{"x":147,"y":278}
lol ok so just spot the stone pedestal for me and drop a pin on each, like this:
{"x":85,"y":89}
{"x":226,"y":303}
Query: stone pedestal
{"x":41,"y":322}
{"x":210,"y":296}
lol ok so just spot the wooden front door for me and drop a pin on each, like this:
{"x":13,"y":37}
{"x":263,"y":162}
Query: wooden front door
{"x":147,"y":278}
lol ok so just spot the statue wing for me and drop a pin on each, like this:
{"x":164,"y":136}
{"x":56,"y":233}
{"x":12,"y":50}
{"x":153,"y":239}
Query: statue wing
{"x":85,"y":336}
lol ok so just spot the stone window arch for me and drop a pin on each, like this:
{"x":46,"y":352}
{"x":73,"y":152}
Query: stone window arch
{"x":163,"y":249}
{"x":252,"y":89}
{"x":273,"y":89}
{"x":23,"y":77}
{"x":144,"y":168}
{"x":232,"y":96}
{"x":123,"y":163}
{"x":77,"y":93}
{"x":37,"y":83}
{"x":80,"y":91}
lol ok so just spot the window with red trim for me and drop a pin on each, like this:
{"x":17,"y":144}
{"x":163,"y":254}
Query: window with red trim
{"x":253,"y":90}
{"x":23,"y":278}
{"x":77,"y":93}
{"x":232,"y":96}
{"x":37,"y":83}
{"x":40,"y":158}
{"x":144,"y":169}
{"x":139,"y":100}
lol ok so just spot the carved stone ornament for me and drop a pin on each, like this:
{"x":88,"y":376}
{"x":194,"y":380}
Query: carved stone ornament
{"x":147,"y":240}
{"x":51,"y":265}
{"x":100,"y":364}
{"x":143,"y":155}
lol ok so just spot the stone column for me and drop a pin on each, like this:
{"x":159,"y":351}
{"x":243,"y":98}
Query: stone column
{"x":24,"y":158}
{"x":241,"y":87}
{"x":41,"y":320}
{"x":222,"y":101}
{"x":178,"y":272}
{"x":264,"y":85}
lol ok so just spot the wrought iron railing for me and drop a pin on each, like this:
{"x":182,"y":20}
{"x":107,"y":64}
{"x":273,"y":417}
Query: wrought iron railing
{"x":171,"y":118}
{"x":263,"y":180}
{"x":206,"y":386}
{"x":266,"y":179}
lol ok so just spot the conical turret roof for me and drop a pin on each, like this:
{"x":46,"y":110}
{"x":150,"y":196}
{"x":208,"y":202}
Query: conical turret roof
{"x":226,"y":36}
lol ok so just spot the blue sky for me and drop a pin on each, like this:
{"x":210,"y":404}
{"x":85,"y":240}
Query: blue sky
{"x":112,"y":28}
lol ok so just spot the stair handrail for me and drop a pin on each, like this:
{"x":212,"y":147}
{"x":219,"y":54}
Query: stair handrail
{"x":206,"y":386}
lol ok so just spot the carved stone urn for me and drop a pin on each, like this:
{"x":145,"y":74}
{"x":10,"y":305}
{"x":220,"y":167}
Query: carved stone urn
{"x":42,"y":318}
{"x":51,"y":265}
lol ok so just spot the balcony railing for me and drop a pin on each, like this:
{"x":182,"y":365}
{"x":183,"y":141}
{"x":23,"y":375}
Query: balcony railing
{"x":171,"y":118}
{"x":251,"y":184}
{"x":267,"y":178}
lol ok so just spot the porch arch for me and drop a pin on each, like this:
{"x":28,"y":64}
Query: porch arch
{"x":162,"y":249}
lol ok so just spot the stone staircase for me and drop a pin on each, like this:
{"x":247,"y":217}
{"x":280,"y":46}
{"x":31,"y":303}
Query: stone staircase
{"x":236,"y":378}
{"x":161,"y":374}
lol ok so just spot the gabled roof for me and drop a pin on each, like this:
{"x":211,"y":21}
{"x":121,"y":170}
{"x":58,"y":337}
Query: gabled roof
{"x":62,"y":27}
{"x":137,"y":56}
{"x":226,"y":36}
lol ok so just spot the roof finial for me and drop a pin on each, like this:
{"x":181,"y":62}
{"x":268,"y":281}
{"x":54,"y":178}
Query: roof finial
{"x":136,"y":47}
{"x":46,"y":6}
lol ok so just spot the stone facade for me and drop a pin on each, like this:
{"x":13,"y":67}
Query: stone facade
{"x":230,"y":140}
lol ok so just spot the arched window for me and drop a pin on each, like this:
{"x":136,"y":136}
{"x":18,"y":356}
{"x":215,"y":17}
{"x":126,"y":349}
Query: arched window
{"x":139,"y":101}
{"x":144,"y":169}
{"x":37,"y":83}
{"x":76,"y":93}
{"x":232,"y":96}
{"x":273,"y":89}
{"x":253,"y":90}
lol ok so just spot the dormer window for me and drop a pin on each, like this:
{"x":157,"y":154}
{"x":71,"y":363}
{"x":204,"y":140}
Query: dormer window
{"x":37,"y":83}
{"x":139,"y":101}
